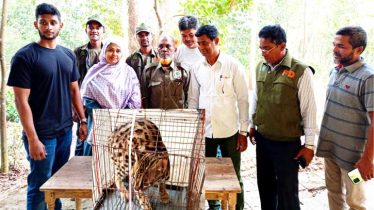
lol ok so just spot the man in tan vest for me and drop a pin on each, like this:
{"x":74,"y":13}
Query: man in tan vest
{"x":283,"y":110}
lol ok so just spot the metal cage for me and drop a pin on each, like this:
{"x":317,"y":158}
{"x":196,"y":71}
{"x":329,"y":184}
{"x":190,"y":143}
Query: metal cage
{"x":179,"y":139}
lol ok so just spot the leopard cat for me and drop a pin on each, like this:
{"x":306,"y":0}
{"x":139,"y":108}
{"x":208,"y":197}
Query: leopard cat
{"x":150,"y":163}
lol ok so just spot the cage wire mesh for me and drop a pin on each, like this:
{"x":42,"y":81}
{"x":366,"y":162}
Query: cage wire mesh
{"x":167,"y":163}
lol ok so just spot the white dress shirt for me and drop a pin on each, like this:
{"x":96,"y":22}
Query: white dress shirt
{"x":307,"y":100}
{"x":222,"y":91}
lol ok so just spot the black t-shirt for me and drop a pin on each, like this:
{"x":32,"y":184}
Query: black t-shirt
{"x":48,"y":74}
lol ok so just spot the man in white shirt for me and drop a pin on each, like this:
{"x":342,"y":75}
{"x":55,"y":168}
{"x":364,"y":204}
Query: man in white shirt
{"x":188,"y":53}
{"x":283,"y":109}
{"x":218,"y":86}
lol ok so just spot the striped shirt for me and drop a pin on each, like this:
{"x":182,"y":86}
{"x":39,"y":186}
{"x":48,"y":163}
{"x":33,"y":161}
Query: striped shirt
{"x":345,"y":124}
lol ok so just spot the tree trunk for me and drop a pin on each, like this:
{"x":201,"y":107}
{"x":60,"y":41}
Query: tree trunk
{"x":252,"y":53}
{"x":133,"y":23}
{"x":4,"y":147}
{"x":125,"y":23}
{"x":160,"y":24}
{"x":304,"y":28}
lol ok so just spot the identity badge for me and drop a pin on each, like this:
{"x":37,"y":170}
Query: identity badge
{"x":177,"y":74}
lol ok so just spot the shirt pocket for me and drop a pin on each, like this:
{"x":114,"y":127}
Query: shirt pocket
{"x":225,"y":86}
{"x":155,"y":88}
{"x":177,"y":92}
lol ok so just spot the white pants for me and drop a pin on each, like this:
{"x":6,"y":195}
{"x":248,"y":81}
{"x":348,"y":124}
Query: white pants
{"x":341,"y":190}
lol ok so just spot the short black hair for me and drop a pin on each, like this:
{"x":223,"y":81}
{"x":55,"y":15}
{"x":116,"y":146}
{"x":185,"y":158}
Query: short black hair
{"x":276,"y":34}
{"x":209,"y":30}
{"x":49,"y":9}
{"x":188,"y":22}
{"x":358,"y":36}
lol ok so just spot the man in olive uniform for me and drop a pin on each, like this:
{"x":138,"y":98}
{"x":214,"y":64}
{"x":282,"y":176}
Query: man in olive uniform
{"x":87,"y":56}
{"x":145,"y":55}
{"x":164,"y":84}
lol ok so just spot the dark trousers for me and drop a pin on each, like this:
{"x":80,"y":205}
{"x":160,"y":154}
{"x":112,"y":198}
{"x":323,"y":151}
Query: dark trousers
{"x":277,"y":173}
{"x":228,"y":149}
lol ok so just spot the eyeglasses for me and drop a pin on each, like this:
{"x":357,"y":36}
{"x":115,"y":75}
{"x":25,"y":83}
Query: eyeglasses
{"x":268,"y":51}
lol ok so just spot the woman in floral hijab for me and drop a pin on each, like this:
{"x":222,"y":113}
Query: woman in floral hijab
{"x":109,"y":84}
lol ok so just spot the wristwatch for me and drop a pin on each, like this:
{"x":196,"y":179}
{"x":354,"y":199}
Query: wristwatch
{"x":84,"y":120}
{"x":309,"y":146}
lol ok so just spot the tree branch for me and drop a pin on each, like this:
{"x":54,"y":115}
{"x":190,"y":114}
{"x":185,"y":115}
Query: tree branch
{"x":158,"y":18}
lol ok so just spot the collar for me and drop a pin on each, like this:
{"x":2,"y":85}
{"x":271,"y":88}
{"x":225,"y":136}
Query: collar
{"x":172,"y":65}
{"x":86,"y":47}
{"x":220,"y":59}
{"x":286,"y":61}
{"x":353,"y":67}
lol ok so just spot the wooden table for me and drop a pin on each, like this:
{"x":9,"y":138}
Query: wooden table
{"x":73,"y":180}
{"x":221,"y":182}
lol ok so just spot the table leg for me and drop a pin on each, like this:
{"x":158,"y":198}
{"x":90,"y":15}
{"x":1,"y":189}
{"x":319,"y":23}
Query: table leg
{"x":232,"y":201}
{"x":78,"y":203}
{"x":224,"y":204}
{"x":50,"y":199}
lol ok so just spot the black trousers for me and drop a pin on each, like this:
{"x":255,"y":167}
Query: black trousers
{"x":277,"y":173}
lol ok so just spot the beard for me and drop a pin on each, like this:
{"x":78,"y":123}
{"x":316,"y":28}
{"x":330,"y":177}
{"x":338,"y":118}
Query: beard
{"x":343,"y":60}
{"x":42,"y":36}
{"x":165,"y":61}
{"x":145,"y":44}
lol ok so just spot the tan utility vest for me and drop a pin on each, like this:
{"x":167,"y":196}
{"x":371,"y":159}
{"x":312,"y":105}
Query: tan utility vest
{"x":277,"y":115}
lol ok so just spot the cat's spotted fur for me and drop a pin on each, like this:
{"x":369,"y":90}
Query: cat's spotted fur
{"x":150,"y":162}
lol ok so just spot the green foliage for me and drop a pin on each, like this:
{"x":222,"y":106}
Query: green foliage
{"x":11,"y":109}
{"x":21,"y":31}
{"x":16,"y":153}
{"x":232,"y":21}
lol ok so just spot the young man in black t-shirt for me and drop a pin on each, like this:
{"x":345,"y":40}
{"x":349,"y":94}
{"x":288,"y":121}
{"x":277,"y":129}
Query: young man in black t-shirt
{"x":44,"y":78}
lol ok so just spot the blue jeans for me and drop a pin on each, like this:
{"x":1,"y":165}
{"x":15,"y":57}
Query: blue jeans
{"x":58,"y":152}
{"x":89,"y":105}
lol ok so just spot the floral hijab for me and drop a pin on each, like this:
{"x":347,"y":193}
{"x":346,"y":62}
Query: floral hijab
{"x":112,"y":86}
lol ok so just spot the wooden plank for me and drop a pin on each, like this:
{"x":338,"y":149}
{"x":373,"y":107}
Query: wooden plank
{"x":220,"y":176}
{"x":75,"y":175}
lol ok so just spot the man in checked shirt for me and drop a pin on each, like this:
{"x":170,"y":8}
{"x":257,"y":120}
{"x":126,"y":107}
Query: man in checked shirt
{"x":283,"y":110}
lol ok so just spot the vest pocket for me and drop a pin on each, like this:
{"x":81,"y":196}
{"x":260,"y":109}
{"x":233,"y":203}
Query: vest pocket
{"x":283,"y":93}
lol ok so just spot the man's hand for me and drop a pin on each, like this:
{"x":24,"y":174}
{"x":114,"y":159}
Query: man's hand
{"x":366,"y":168}
{"x":37,"y":150}
{"x":308,"y":154}
{"x":241,"y":143}
{"x":75,"y":116}
{"x":83,"y":132}
{"x":252,"y":134}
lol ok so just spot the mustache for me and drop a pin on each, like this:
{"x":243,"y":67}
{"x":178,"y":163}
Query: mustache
{"x":337,"y":54}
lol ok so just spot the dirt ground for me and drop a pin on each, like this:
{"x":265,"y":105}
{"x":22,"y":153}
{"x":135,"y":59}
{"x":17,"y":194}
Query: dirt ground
{"x":13,"y":188}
